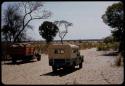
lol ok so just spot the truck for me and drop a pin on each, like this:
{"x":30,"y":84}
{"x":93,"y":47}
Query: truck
{"x":24,"y":52}
{"x":64,"y":56}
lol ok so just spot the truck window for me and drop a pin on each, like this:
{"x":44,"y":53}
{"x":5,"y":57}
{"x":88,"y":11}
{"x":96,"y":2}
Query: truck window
{"x":59,"y":51}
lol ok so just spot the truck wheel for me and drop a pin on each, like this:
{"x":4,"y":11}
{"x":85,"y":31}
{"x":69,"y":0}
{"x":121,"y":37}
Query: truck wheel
{"x":73,"y":67}
{"x":80,"y":65}
{"x":39,"y":57}
{"x":54,"y":69}
{"x":13,"y":60}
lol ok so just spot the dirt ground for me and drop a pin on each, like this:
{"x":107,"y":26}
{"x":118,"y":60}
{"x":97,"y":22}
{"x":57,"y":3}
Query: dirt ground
{"x":97,"y":69}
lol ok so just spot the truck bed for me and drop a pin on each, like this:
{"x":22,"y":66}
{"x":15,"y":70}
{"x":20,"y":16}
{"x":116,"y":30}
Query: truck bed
{"x":21,"y":50}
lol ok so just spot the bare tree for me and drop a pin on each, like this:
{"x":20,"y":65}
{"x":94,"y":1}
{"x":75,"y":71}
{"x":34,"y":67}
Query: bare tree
{"x":12,"y":22}
{"x":29,"y":11}
{"x":63,"y":33}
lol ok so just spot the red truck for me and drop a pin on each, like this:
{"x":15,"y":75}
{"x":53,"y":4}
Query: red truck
{"x":24,"y":51}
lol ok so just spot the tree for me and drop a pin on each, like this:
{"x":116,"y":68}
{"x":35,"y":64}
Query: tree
{"x":114,"y":17}
{"x":12,"y":24}
{"x":63,"y":33}
{"x":29,"y":11}
{"x":48,"y":31}
{"x":32,"y":11}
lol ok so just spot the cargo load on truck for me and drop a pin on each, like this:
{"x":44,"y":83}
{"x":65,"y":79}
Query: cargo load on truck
{"x":23,"y":51}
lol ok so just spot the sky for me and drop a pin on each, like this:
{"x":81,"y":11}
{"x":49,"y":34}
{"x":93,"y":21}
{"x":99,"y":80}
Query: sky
{"x":85,"y":17}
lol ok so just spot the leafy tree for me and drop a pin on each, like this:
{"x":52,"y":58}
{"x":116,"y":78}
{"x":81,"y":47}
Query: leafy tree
{"x":114,"y":17}
{"x":48,"y":31}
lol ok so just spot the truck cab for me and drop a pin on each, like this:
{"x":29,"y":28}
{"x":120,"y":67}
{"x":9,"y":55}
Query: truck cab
{"x":64,"y":56}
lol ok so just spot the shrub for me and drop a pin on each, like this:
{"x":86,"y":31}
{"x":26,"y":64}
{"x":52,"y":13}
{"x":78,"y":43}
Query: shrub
{"x":107,"y":46}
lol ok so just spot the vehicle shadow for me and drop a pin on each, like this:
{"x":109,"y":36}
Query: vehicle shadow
{"x":114,"y":53}
{"x":60,"y":72}
{"x":18,"y":62}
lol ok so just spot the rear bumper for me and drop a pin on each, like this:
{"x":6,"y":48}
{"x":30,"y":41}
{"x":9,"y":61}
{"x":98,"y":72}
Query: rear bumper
{"x":60,"y":62}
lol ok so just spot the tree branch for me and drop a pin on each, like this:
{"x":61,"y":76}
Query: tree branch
{"x":31,"y":7}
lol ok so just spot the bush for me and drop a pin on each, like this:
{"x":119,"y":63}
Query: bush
{"x":107,"y":46}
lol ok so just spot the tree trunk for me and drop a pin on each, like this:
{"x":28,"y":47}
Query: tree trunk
{"x":62,"y":41}
{"x":46,"y":48}
{"x":122,"y":44}
{"x":118,"y":60}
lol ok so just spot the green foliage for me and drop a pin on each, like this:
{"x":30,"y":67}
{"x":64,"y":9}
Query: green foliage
{"x":107,"y":46}
{"x":109,"y":39}
{"x":114,"y":17}
{"x":101,"y":47}
{"x":48,"y":31}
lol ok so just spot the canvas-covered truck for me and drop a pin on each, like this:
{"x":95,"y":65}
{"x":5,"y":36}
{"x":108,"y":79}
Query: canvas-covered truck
{"x":64,"y":56}
{"x":23,"y":51}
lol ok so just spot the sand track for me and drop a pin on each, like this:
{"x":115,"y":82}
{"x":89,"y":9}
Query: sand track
{"x":97,"y":69}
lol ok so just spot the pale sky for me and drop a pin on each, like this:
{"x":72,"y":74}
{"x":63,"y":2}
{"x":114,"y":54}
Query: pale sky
{"x":85,"y":16}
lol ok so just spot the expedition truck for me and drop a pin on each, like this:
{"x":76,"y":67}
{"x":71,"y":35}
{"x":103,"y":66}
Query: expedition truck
{"x":64,"y":56}
{"x":23,"y":51}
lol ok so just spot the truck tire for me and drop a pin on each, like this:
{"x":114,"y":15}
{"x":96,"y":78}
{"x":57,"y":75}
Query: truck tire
{"x":26,"y":58}
{"x":38,"y":57}
{"x":13,"y":60}
{"x":54,"y":69}
{"x":83,"y":59}
{"x":73,"y":66}
{"x":80,"y":65}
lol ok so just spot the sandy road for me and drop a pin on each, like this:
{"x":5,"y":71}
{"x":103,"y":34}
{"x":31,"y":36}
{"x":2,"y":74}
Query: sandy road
{"x":97,"y":69}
